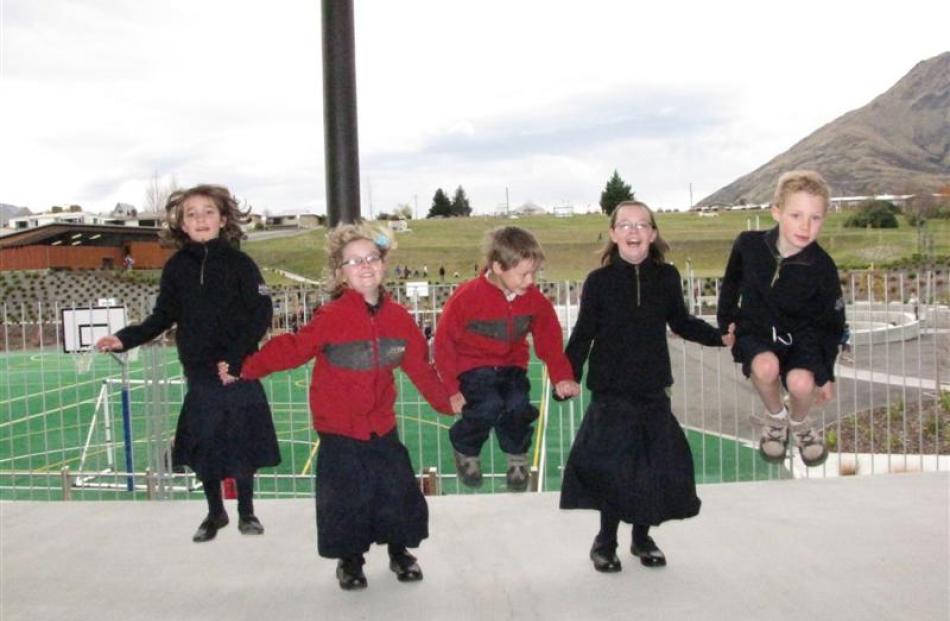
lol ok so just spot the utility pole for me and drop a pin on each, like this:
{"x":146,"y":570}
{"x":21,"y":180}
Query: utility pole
{"x":341,"y":138}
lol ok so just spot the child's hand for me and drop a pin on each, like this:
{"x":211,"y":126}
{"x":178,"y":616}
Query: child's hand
{"x":825,"y":393}
{"x":458,"y":402}
{"x":224,"y":373}
{"x":109,"y":343}
{"x":729,"y":338}
{"x":565,"y":389}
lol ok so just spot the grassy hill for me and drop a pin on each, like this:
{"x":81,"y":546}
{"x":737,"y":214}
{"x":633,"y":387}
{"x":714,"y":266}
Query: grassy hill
{"x":572,"y":244}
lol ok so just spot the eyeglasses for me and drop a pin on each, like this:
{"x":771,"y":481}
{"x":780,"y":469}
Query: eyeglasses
{"x":371,"y":260}
{"x":626,"y":226}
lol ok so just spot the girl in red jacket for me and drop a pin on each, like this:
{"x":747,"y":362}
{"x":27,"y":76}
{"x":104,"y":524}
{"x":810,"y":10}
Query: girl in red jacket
{"x":366,"y":490}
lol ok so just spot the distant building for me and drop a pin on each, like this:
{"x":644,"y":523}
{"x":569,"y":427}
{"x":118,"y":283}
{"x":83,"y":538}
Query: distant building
{"x":66,"y":245}
{"x":564,"y":211}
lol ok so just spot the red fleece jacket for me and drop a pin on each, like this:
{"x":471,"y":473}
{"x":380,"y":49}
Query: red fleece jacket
{"x":354,"y":351}
{"x":479,"y":327}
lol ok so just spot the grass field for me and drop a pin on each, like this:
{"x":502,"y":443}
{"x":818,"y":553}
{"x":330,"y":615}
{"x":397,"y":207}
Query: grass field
{"x":47,"y":407}
{"x":572,"y":244}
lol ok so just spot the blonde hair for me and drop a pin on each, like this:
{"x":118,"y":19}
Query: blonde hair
{"x":610,"y":253}
{"x":337,"y":239}
{"x":173,"y":235}
{"x":807,"y":181}
{"x":509,"y":245}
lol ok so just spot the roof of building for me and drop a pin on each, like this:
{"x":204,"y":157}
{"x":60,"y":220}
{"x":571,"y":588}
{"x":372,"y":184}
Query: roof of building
{"x":66,"y":234}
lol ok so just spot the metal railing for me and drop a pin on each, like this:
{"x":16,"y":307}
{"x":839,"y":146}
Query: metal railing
{"x":78,"y":426}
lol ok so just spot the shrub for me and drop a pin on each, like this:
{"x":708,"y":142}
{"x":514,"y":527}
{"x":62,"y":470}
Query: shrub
{"x":875,"y":214}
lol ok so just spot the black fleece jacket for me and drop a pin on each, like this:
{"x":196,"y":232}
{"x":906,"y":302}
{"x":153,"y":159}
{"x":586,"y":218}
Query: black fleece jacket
{"x":798,"y":295}
{"x":624,"y":312}
{"x":217,"y":297}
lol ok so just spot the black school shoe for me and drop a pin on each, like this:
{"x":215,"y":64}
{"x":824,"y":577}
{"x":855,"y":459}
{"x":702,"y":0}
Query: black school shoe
{"x":250,"y":525}
{"x":650,"y":555}
{"x":405,"y":566}
{"x":208,"y":529}
{"x":605,"y":559}
{"x":350,"y":574}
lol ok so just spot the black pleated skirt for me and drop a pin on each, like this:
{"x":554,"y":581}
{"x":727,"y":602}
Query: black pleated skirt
{"x":367,"y":493}
{"x":225,"y":431}
{"x":631,"y":457}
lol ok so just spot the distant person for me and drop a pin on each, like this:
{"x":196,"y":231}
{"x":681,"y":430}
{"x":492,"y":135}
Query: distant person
{"x":481,"y":351}
{"x":442,"y":273}
{"x":425,"y":271}
{"x":456,"y":275}
{"x":216,"y":296}
{"x":129,"y":261}
{"x":366,"y":488}
{"x":398,"y":273}
{"x":630,"y":459}
{"x":781,"y":290}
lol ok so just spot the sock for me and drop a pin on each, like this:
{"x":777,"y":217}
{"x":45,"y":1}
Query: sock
{"x":212,"y":491}
{"x":245,"y":490}
{"x":640,"y":534}
{"x":780,"y":415}
{"x":609,"y":522}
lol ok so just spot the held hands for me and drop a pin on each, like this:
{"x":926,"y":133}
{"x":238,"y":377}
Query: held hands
{"x":565,"y":389}
{"x":224,"y":373}
{"x":458,"y":402}
{"x":825,"y":393}
{"x":729,"y":338}
{"x":109,"y":343}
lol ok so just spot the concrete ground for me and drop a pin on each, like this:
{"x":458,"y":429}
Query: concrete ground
{"x":873,"y":547}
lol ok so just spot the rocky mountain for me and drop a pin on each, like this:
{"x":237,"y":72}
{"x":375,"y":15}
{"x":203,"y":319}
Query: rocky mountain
{"x":11,"y":211}
{"x":898,"y":143}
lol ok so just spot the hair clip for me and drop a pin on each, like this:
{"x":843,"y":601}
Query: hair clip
{"x":381,"y":240}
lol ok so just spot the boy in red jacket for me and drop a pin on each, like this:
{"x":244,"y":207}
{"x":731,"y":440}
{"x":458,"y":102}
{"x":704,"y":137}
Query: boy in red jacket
{"x":481,"y":352}
{"x":366,"y":489}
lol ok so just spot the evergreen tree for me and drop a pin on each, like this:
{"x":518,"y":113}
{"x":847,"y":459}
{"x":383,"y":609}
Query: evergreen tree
{"x":615,"y":193}
{"x":460,"y":206}
{"x":441,"y":205}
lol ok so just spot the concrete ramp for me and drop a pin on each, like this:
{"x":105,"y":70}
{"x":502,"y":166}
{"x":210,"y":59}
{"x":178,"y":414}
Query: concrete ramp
{"x":849,"y":548}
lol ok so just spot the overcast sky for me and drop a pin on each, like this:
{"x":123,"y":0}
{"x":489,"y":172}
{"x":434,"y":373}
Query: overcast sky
{"x":544,"y":98}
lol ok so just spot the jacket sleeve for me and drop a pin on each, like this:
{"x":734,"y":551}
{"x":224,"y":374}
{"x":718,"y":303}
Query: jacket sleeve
{"x":416,"y":364}
{"x":548,"y":340}
{"x":446,"y":335}
{"x":728,"y":303}
{"x":585,"y":328}
{"x":287,"y":351}
{"x":166,"y":312}
{"x":832,"y":322}
{"x":681,"y":322}
{"x":259,"y":308}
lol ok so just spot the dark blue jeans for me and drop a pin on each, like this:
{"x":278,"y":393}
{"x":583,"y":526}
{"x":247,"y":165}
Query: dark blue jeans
{"x":495,"y":397}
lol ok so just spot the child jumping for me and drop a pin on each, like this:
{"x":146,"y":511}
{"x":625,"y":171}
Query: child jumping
{"x":630,"y":459}
{"x":481,"y":351}
{"x":216,"y":297}
{"x":366,"y":490}
{"x":781,"y":290}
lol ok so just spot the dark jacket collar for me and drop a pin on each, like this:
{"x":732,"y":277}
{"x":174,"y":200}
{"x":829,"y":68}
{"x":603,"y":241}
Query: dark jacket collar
{"x":805,"y":255}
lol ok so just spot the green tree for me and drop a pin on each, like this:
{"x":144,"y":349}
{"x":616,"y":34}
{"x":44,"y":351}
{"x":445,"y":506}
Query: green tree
{"x":460,"y":206}
{"x":615,"y":193}
{"x":441,"y":205}
{"x":875,"y":214}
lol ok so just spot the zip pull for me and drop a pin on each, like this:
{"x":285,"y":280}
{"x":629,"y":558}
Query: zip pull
{"x":778,"y":268}
{"x":203,"y":260}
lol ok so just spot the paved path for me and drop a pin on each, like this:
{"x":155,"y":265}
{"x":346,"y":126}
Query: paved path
{"x":853,"y":548}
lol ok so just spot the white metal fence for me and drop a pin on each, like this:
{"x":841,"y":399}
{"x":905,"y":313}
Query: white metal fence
{"x":100,"y":426}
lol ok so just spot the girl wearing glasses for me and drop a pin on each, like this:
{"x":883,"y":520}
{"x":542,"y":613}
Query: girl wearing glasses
{"x":365,"y":487}
{"x":630,"y":459}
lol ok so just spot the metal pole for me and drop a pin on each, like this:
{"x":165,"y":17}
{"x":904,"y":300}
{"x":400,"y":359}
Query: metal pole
{"x":341,"y":139}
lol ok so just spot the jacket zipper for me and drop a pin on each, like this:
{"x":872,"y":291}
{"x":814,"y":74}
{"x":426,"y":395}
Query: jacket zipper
{"x":637,"y":271}
{"x":203,"y":260}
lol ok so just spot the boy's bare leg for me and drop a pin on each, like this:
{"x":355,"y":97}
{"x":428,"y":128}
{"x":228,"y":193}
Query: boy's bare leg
{"x":765,"y":379}
{"x":801,"y":393}
{"x":802,"y":396}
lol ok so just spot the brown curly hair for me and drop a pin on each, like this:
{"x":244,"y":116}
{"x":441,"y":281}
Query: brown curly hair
{"x":172,"y":233}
